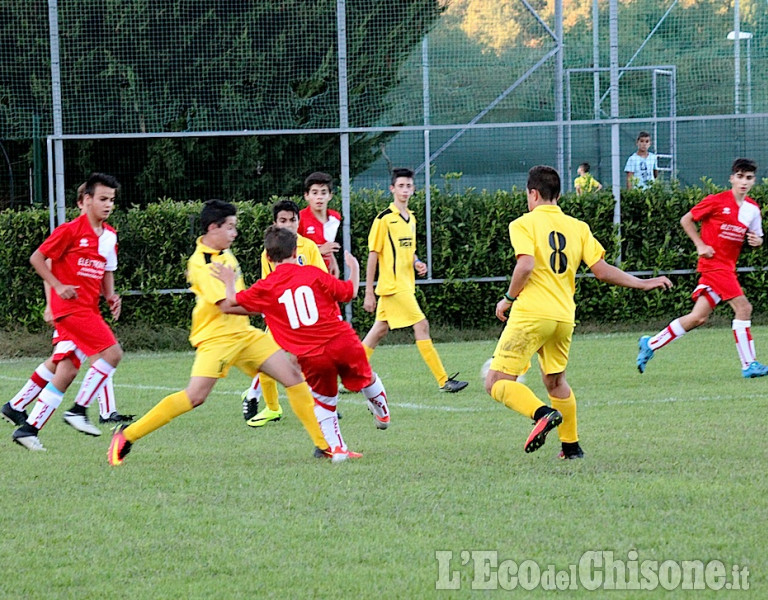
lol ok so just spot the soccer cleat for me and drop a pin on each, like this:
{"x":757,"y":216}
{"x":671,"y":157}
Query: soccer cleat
{"x":29,"y":440}
{"x":755,"y":369}
{"x":453,"y":385}
{"x":116,"y":417}
{"x":13,"y":416}
{"x":340,"y":455}
{"x":644,"y":353}
{"x":119,"y":447}
{"x":540,"y":430}
{"x":381,"y":422}
{"x":250,"y":405}
{"x":265,"y":416}
{"x":571,"y":454}
{"x":81,"y":423}
{"x":320,"y":453}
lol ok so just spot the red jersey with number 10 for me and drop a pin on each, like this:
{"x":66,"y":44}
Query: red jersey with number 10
{"x":724,"y":225}
{"x":79,"y":257}
{"x":300,"y":305}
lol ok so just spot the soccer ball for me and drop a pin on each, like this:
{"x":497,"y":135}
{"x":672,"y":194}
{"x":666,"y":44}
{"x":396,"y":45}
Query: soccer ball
{"x":485,"y":368}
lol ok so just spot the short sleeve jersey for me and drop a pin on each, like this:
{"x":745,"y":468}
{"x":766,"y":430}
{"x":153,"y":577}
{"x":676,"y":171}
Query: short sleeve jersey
{"x":559,"y":244}
{"x":642,"y":168}
{"x":300,"y":305}
{"x":724,"y":226}
{"x":208,"y":321}
{"x":393,"y":238}
{"x":318,"y":232}
{"x":80,"y":257}
{"x":586,"y":182}
{"x":307,"y":253}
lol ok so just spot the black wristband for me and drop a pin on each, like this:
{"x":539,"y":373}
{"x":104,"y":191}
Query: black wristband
{"x":508,"y":298}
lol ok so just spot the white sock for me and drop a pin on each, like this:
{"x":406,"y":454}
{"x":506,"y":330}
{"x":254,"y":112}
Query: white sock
{"x":93,"y":381}
{"x":107,"y":399}
{"x":670,"y":333}
{"x":325,"y":413}
{"x":31,"y":389}
{"x":377,"y":397}
{"x":254,"y":392}
{"x":745,"y":345}
{"x":47,"y":402}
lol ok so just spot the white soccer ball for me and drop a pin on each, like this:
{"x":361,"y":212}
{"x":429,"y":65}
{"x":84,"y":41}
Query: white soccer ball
{"x":485,"y":368}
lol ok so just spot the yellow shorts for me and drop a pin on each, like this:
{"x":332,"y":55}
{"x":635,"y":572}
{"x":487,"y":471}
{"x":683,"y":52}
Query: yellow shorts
{"x":399,"y":310}
{"x":246,"y":351}
{"x":525,"y":336}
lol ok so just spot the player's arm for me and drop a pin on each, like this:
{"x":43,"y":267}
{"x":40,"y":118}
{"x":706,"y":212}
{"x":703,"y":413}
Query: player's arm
{"x":688,"y":224}
{"x":334,"y":269}
{"x":599,"y":185}
{"x":578,"y":189}
{"x":108,"y":291}
{"x":228,"y":276}
{"x":354,"y":271}
{"x":613,"y":275}
{"x":520,"y":276}
{"x":369,"y":304}
{"x":64,"y":291}
{"x":630,"y":179}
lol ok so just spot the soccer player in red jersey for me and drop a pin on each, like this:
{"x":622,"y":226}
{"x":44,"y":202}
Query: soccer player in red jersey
{"x":318,"y":222}
{"x":77,"y":251}
{"x":300,"y":305}
{"x":726,"y":220}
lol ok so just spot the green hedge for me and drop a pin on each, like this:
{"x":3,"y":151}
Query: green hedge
{"x":469,"y":236}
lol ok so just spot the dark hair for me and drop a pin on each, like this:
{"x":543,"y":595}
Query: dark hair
{"x":318,"y":178}
{"x":215,"y":212}
{"x":80,"y":193}
{"x":280,"y":243}
{"x":545,"y":180}
{"x":95,"y":179}
{"x":397,"y":173}
{"x":585,"y":166}
{"x":284,"y":205}
{"x":745,"y":165}
{"x":643,"y":134}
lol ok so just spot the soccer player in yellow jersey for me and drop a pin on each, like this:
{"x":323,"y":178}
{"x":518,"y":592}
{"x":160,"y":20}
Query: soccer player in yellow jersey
{"x":221,"y":341}
{"x":392,"y":245}
{"x":286,"y":216}
{"x":549,"y":246}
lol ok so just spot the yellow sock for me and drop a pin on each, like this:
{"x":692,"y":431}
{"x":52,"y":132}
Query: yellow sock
{"x":269,"y":392}
{"x":516,"y":396}
{"x":432,"y":358}
{"x":368,"y":352}
{"x":303,"y":406}
{"x":567,"y":407}
{"x":168,"y":408}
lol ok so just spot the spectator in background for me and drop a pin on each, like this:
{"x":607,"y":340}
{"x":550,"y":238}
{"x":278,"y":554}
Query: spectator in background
{"x":585,"y":183}
{"x":642,"y":168}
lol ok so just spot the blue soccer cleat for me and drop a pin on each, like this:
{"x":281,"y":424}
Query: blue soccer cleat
{"x":755,"y":369}
{"x":645,"y":353}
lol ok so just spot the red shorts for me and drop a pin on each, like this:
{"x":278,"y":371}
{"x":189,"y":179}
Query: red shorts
{"x":717,"y":286}
{"x":343,"y":357}
{"x":87,"y":330}
{"x":66,"y":349}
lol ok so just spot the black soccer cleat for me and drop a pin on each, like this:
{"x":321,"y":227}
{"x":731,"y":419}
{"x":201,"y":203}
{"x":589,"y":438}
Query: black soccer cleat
{"x":13,"y":416}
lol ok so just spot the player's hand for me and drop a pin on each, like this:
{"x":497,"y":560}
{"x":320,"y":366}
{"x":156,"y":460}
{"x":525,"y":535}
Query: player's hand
{"x":223,"y":272}
{"x":420,"y":267}
{"x":502,"y":306}
{"x":329,"y":248}
{"x":115,"y":305}
{"x":705,"y":251}
{"x":350,"y":260}
{"x":66,"y":292}
{"x":657,"y":283}
{"x":754,"y":240}
{"x":369,"y":304}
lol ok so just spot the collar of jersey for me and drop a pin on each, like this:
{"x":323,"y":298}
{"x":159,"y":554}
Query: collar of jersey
{"x":549,"y":208}
{"x":396,"y":210}
{"x":206,"y":249}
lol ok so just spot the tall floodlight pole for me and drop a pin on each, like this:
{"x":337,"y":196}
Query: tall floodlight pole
{"x":596,"y":56}
{"x":736,"y":39}
{"x":559,"y":113}
{"x":613,"y":27}
{"x":736,"y":56}
{"x":341,"y":36}
{"x":58,"y":127}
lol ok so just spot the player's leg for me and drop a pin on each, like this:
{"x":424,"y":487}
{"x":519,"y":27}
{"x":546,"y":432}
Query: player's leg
{"x":376,"y":333}
{"x":14,"y":411}
{"x":705,"y":300}
{"x":553,"y":359}
{"x":742,"y":333}
{"x":356,"y":375}
{"x":108,"y":412}
{"x":518,"y":342}
{"x":48,"y":400}
{"x":273,"y":411}
{"x":288,"y":374}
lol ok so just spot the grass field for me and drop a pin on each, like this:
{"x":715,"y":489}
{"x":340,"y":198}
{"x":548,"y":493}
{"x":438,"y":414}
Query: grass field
{"x":675,"y":469}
